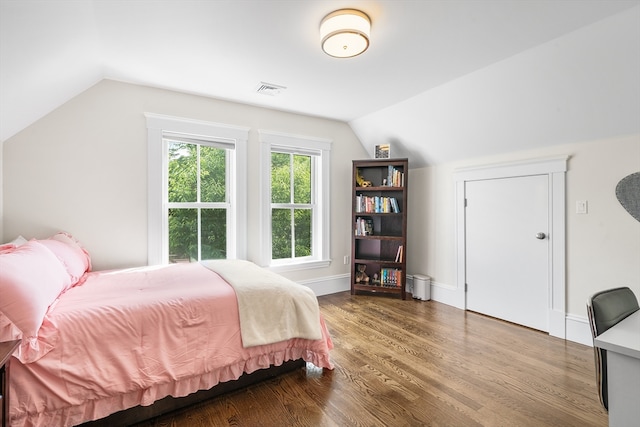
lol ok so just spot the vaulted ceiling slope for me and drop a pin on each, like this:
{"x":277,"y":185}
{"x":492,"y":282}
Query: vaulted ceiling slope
{"x":442,"y":80}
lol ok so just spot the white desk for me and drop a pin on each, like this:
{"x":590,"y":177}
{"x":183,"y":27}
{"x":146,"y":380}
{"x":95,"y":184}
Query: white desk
{"x":622,"y":343}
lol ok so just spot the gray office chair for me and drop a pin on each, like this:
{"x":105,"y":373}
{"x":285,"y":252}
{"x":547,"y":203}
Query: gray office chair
{"x":605,"y":309}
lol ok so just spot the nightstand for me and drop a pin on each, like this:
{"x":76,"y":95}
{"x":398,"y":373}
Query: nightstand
{"x":6,"y":350}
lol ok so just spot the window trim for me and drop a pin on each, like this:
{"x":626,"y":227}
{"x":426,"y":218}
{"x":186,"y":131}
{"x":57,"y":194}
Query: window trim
{"x":320,"y":148}
{"x":161,"y":126}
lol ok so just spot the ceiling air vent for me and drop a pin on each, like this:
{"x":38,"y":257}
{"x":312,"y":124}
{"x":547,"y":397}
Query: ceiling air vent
{"x":269,"y":89}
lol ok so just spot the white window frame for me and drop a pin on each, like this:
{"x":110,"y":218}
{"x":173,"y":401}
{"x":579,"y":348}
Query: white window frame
{"x":320,"y":150}
{"x":161,"y":127}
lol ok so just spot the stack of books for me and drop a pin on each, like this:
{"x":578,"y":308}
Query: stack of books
{"x":391,"y":277}
{"x":395,"y":178}
{"x":364,"y":227}
{"x":376,"y":204}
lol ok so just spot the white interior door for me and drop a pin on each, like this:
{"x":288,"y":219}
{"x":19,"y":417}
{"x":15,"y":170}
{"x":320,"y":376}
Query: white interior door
{"x":507,"y":271}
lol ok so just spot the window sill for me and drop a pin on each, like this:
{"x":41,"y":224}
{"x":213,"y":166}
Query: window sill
{"x":306,"y":265}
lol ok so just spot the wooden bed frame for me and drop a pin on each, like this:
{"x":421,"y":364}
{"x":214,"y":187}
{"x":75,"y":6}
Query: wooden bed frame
{"x":168,"y":404}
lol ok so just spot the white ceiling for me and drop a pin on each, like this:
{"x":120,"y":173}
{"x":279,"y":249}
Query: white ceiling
{"x":50,"y":51}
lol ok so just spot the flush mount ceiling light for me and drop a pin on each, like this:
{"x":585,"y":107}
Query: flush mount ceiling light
{"x":345,"y":33}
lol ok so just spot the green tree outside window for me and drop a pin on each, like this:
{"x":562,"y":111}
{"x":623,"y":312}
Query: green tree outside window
{"x":196,"y":180}
{"x":291,"y":205}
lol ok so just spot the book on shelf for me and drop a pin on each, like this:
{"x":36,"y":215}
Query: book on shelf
{"x":376,"y":204}
{"x":394,"y":205}
{"x":395,"y":178}
{"x":364,"y":226}
{"x":391,"y":277}
{"x":399,"y":254}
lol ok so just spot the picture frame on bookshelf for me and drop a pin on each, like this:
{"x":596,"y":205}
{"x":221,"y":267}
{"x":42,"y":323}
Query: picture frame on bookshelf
{"x":382,"y":151}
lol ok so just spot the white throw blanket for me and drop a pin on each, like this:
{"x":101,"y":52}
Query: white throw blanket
{"x":272,"y":308}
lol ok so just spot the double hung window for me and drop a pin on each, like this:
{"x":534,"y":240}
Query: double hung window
{"x":295,"y":206}
{"x":197,"y":203}
{"x":292,"y":205}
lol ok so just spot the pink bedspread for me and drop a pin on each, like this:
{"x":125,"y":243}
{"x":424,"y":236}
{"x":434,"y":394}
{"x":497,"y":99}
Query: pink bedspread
{"x":130,"y":337}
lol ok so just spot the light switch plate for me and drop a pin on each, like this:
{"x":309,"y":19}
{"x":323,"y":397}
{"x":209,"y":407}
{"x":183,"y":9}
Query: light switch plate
{"x":581,"y":206}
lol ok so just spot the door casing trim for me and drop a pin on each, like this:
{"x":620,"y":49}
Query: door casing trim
{"x":555,"y":168}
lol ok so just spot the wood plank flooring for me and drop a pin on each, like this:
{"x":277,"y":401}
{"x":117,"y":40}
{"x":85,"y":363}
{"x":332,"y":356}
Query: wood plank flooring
{"x":418,"y":363}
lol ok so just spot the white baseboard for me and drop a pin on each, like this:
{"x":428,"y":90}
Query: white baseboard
{"x":441,"y":293}
{"x":447,"y":294}
{"x":328,"y":285}
{"x":578,"y":330}
{"x":577,"y":327}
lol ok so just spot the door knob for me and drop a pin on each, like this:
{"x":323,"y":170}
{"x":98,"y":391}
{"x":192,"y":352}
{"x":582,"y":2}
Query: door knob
{"x":540,"y":235}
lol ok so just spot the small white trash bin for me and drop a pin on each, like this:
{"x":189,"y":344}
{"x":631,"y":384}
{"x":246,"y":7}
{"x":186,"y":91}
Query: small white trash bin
{"x":421,"y":287}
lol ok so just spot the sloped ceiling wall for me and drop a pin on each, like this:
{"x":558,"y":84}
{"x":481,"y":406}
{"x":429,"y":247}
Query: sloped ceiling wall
{"x":49,"y":53}
{"x":579,"y":87}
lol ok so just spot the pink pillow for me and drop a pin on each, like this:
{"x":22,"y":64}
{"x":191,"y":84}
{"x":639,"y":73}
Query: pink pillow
{"x":31,"y":278}
{"x":8,"y":332}
{"x":74,"y":259}
{"x":7,"y":247}
{"x":74,"y":243}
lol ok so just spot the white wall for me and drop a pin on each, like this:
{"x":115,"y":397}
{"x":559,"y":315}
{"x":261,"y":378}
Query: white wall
{"x":83,"y":169}
{"x":603,"y":246}
{"x":581,"y":86}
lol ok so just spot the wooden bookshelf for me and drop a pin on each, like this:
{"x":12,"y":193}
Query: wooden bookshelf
{"x":379,"y":222}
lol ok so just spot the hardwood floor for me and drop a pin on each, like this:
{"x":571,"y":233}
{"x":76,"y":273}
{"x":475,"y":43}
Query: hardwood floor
{"x":413,"y":363}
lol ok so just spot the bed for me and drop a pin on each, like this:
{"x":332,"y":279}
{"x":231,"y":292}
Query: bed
{"x":97,"y":343}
